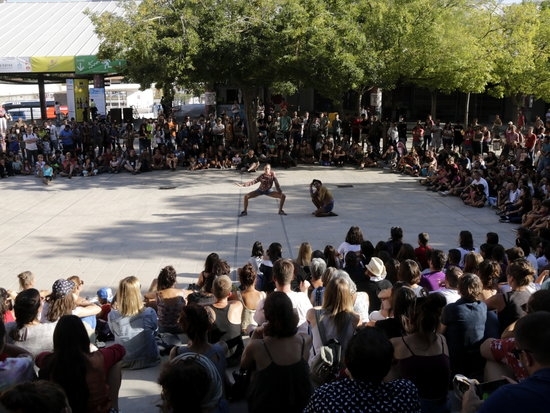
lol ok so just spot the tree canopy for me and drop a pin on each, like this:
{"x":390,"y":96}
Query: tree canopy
{"x":332,"y":45}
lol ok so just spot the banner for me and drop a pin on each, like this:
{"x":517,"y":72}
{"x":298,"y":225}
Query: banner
{"x":15,"y":65}
{"x":52,"y":64}
{"x":90,"y":65}
{"x":82,"y":99}
{"x":97,"y":96}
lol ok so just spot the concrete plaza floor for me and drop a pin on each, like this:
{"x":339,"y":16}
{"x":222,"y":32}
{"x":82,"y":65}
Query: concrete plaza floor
{"x":108,"y":227}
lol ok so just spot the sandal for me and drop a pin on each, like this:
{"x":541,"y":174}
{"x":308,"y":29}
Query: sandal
{"x":281,"y":212}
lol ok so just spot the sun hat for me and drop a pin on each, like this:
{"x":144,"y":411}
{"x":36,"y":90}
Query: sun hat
{"x":376,"y":267}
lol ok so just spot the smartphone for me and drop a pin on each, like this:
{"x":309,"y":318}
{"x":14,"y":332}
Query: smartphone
{"x":484,"y":390}
{"x":461,"y":384}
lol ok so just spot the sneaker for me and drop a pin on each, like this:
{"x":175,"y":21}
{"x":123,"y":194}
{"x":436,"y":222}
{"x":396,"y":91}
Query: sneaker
{"x":281,"y":212}
{"x":243,"y":214}
{"x":443,"y":193}
{"x":504,"y":220}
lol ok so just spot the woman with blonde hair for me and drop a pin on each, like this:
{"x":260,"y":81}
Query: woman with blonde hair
{"x":26,"y":280}
{"x":302,"y":271}
{"x":134,"y":326}
{"x":336,"y":316}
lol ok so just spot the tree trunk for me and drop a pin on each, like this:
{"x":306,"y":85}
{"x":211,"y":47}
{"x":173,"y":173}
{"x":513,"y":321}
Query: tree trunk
{"x":433,"y":109}
{"x":467,"y":110}
{"x":250,"y":104}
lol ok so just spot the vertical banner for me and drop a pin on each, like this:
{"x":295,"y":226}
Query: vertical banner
{"x":82,"y":100}
{"x":70,"y":99}
{"x":97,"y":96}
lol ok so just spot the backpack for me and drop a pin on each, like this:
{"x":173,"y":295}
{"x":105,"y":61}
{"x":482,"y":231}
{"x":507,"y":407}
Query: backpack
{"x":326,"y":364}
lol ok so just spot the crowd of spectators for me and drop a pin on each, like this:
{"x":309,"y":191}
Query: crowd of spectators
{"x":435,"y":314}
{"x":445,"y":154}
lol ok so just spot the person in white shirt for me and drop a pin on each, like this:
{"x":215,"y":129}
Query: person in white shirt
{"x":30,"y":138}
{"x":283,"y":273}
{"x":479,"y":180}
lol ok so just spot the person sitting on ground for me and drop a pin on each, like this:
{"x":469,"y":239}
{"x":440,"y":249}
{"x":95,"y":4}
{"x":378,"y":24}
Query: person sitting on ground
{"x":208,"y":270}
{"x":489,"y":273}
{"x":226,"y":319}
{"x":422,"y":355}
{"x":27,"y":331}
{"x":338,"y":319}
{"x":499,"y":351}
{"x":409,"y":274}
{"x":368,"y":359}
{"x":354,"y":238}
{"x":463,"y":324}
{"x":249,"y":297}
{"x":318,"y":267}
{"x":17,"y":365}
{"x":374,"y":282}
{"x":132,"y":163}
{"x":191,"y":383}
{"x":88,"y":314}
{"x":322,"y":199}
{"x":450,"y":289}
{"x":302,"y":263}
{"x":422,"y":252}
{"x":433,"y":278}
{"x":283,"y":273}
{"x":35,"y":396}
{"x":273,"y":253}
{"x":91,"y":380}
{"x":63,"y":301}
{"x":249,"y":162}
{"x":400,"y":300}
{"x":134,"y":326}
{"x":196,"y":322}
{"x":395,"y":242}
{"x":278,"y":354}
{"x":509,"y":305}
{"x":533,"y":350}
{"x":167,"y":300}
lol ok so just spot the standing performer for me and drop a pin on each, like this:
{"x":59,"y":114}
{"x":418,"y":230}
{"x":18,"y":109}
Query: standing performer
{"x":266,"y":180}
{"x":322,"y":198}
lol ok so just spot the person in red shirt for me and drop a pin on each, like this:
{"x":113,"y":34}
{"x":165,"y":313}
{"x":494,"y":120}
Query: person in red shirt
{"x":530,"y":140}
{"x":423,"y":250}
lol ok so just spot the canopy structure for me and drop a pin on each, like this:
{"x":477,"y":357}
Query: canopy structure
{"x":51,"y":42}
{"x":54,"y":43}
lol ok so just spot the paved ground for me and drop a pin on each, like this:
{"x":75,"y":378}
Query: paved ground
{"x":107,"y":227}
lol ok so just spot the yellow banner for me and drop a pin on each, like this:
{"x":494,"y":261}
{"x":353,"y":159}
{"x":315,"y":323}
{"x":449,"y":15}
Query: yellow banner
{"x":81,"y":99}
{"x":52,"y":64}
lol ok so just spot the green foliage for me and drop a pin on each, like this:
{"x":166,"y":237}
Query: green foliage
{"x":333,"y":45}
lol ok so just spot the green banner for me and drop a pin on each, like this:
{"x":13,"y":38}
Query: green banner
{"x":91,"y":65}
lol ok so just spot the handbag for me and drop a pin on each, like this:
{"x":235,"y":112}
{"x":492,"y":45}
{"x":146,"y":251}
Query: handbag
{"x":325,"y":365}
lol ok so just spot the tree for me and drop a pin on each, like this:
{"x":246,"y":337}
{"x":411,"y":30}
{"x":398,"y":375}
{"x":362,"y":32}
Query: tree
{"x":520,"y":52}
